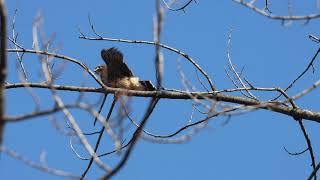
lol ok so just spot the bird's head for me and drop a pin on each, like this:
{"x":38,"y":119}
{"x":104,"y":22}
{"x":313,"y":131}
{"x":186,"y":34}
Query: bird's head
{"x":111,"y":56}
{"x":98,"y":70}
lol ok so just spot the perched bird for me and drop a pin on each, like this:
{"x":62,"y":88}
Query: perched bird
{"x":115,"y":73}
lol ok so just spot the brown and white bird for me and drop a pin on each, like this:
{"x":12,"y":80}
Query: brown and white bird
{"x":115,"y":73}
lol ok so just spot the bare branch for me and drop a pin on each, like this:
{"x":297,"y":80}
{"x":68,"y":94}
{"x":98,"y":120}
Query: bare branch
{"x":302,"y":73}
{"x":101,"y":106}
{"x":314,"y":172}
{"x":82,"y":65}
{"x":272,"y":106}
{"x":168,"y":5}
{"x":306,"y":91}
{"x":233,"y":68}
{"x":14,"y":41}
{"x":23,"y":117}
{"x":99,"y":139}
{"x":3,"y":65}
{"x":134,"y":139}
{"x":41,"y":167}
{"x":162,"y":138}
{"x":311,"y":152}
{"x":295,"y":153}
{"x":158,"y":23}
{"x":271,"y":16}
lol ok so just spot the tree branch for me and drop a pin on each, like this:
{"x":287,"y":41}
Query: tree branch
{"x":38,"y":166}
{"x":268,"y":15}
{"x":268,"y":105}
{"x":134,"y":140}
{"x":3,"y":65}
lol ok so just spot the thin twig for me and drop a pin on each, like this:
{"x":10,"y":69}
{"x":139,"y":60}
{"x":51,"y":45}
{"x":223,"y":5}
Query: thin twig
{"x":100,"y":108}
{"x":14,"y":38}
{"x":134,"y":139}
{"x":82,"y":65}
{"x":311,"y":152}
{"x":303,"y":72}
{"x":99,"y":138}
{"x":271,"y":16}
{"x":178,"y":9}
{"x":232,"y":66}
{"x":41,"y":167}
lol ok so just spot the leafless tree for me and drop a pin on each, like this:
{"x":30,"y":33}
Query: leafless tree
{"x":212,"y":102}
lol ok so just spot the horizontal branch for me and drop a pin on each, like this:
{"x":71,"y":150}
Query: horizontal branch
{"x":37,"y":113}
{"x":296,"y":113}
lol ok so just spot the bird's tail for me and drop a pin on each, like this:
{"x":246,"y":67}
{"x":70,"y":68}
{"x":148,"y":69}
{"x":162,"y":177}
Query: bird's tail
{"x":147,"y":85}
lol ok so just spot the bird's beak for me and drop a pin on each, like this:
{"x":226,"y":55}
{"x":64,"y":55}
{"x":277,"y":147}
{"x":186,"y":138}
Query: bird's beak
{"x":97,"y":70}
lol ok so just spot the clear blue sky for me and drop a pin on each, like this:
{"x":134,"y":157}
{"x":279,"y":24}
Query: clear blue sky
{"x":250,"y":146}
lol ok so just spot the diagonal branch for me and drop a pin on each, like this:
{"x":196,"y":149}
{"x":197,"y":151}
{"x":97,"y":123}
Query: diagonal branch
{"x":134,"y":139}
{"x":100,"y":108}
{"x":302,"y":73}
{"x":99,"y":139}
{"x":38,"y":166}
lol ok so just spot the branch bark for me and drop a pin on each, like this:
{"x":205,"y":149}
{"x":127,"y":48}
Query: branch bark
{"x":297,"y":113}
{"x":3,"y":64}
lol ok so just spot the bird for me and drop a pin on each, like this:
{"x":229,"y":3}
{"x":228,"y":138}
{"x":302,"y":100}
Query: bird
{"x":116,"y":73}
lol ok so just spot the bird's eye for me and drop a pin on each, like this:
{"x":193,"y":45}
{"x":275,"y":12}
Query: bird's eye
{"x":97,"y":70}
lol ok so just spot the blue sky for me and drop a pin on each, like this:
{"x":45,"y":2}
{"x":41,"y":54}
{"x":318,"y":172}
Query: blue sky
{"x":250,"y":146}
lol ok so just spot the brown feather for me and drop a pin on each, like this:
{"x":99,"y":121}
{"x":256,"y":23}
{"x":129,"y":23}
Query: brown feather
{"x":117,"y":74}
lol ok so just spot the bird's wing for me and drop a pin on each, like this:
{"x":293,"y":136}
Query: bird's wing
{"x":114,"y":60}
{"x":124,"y":70}
{"x":111,"y":56}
